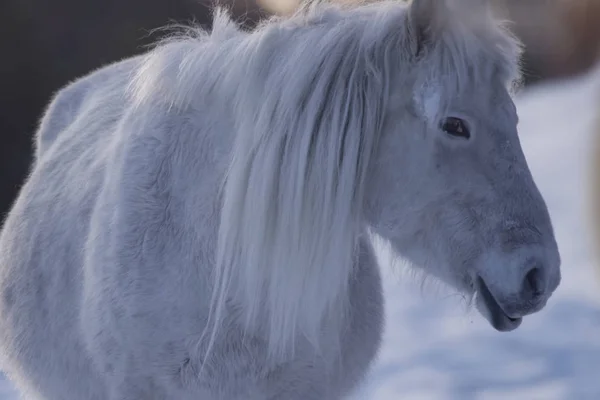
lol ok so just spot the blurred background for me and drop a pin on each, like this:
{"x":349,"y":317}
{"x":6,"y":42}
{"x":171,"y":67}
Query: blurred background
{"x":435,"y":347}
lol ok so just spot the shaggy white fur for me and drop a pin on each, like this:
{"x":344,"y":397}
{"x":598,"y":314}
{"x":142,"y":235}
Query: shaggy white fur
{"x":196,"y":224}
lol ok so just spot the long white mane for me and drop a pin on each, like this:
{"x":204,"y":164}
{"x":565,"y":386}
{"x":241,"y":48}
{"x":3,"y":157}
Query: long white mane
{"x":308,"y":97}
{"x":291,"y":207}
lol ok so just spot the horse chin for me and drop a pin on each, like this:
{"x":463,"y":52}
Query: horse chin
{"x":490,"y":309}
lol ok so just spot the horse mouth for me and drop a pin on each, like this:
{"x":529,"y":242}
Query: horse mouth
{"x":490,"y":309}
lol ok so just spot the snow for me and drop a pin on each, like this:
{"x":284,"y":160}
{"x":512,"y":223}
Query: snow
{"x":436,"y":347}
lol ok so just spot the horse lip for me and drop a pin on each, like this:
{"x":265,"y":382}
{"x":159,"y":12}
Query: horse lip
{"x":498,"y":317}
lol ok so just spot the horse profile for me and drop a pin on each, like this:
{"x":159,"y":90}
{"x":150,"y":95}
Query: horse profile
{"x":198,"y":220}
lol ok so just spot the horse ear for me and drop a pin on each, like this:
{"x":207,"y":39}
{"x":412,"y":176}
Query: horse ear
{"x":429,"y":19}
{"x":423,"y":22}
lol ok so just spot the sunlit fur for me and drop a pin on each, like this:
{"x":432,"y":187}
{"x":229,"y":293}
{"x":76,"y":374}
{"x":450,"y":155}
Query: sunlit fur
{"x":209,"y":204}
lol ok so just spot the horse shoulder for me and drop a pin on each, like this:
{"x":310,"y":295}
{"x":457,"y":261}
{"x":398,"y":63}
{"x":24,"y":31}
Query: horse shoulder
{"x":146,"y":250}
{"x":361,"y":336}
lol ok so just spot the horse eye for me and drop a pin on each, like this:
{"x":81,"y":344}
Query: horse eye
{"x":455,"y":127}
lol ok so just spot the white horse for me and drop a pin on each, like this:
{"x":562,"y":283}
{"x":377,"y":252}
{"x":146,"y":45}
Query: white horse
{"x":197,"y":224}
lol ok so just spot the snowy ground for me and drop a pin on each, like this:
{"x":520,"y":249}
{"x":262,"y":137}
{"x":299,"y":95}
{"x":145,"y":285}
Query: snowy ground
{"x":435,"y":348}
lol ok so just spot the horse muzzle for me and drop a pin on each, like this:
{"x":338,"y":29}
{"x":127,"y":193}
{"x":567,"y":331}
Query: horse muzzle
{"x":505,"y":311}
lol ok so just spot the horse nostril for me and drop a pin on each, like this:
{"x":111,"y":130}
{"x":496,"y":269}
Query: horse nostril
{"x":533,"y":284}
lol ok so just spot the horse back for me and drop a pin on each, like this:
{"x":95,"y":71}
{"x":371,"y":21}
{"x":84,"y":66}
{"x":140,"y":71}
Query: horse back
{"x":69,"y":103}
{"x":42,"y":243}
